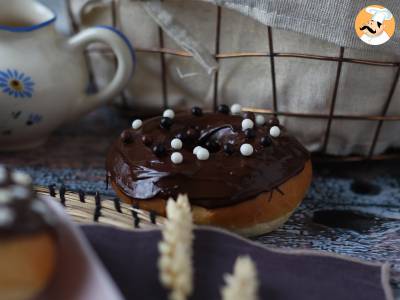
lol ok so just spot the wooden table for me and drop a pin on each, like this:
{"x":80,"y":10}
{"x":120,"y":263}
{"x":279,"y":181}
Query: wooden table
{"x":352,"y":208}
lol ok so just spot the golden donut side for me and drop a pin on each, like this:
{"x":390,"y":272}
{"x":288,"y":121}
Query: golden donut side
{"x":254,"y":216}
{"x":27,"y":265}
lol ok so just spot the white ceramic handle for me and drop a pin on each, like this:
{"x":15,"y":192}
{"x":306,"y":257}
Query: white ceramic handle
{"x":125,"y":59}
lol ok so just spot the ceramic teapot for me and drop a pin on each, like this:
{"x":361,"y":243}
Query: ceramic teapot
{"x":43,"y":75}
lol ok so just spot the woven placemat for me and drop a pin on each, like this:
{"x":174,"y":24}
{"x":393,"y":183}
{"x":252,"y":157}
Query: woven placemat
{"x":84,"y":208}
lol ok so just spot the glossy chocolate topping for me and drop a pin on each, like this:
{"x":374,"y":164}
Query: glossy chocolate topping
{"x":20,"y":210}
{"x":143,"y":170}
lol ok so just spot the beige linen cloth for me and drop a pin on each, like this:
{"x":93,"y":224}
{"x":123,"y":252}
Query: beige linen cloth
{"x":314,"y":27}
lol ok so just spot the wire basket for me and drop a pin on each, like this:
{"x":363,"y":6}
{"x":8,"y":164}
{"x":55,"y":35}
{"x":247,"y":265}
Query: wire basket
{"x":161,"y":52}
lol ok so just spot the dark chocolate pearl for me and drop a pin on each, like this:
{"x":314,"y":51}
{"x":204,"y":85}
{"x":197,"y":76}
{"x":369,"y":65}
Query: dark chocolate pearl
{"x":147,"y":140}
{"x":196,"y":111}
{"x":273,"y":122}
{"x":266,"y":141}
{"x":159,"y":150}
{"x":228,"y":148}
{"x":224,"y":109}
{"x":166,"y":122}
{"x":250,"y":133}
{"x":182,"y":136}
{"x":212,"y":146}
{"x":192,"y":133}
{"x":249,"y":115}
{"x":126,"y":137}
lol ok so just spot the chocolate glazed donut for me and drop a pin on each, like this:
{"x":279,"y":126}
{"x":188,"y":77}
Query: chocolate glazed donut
{"x":28,"y":239}
{"x":239,"y":179}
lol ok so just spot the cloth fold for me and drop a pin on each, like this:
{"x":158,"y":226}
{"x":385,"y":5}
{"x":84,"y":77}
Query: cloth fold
{"x":180,"y":35}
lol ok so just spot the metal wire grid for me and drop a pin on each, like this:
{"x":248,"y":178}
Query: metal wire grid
{"x":271,"y":55}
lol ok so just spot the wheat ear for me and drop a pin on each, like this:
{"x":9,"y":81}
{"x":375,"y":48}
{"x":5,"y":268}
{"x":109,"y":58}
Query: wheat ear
{"x":175,"y":261}
{"x":243,"y":283}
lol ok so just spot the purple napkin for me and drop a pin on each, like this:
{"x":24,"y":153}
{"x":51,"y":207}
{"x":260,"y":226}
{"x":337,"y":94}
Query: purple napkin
{"x":131,"y":259}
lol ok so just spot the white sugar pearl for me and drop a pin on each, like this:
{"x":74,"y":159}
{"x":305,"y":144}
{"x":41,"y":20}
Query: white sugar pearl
{"x":176,"y":144}
{"x":274,"y":131}
{"x":203,"y":154}
{"x":21,"y":178}
{"x":236,"y":109}
{"x":247,"y":124}
{"x":196,"y":149}
{"x":246,"y":149}
{"x":137,"y":124}
{"x":169,"y":113}
{"x":5,"y":196}
{"x":176,"y":158}
{"x":6,"y":216}
{"x":20,"y":192}
{"x":3,"y":174}
{"x":260,"y":120}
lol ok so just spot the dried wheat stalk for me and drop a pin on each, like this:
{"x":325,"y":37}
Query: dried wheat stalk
{"x":175,"y":261}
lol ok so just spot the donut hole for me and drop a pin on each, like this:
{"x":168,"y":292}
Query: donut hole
{"x":214,"y":139}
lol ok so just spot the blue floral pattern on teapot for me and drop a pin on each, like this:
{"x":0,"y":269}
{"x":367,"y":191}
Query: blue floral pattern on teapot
{"x":16,"y":84}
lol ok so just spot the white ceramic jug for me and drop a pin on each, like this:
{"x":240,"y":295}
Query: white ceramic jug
{"x":43,"y":75}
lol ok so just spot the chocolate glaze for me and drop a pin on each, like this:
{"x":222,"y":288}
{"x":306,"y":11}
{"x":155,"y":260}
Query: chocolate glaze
{"x":222,"y":180}
{"x":22,"y":213}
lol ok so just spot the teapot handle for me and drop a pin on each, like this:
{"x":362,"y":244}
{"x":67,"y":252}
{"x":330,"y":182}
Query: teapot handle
{"x":124,"y":53}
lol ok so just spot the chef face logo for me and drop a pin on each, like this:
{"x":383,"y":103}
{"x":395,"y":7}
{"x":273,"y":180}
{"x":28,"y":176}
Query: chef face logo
{"x":374,"y":25}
